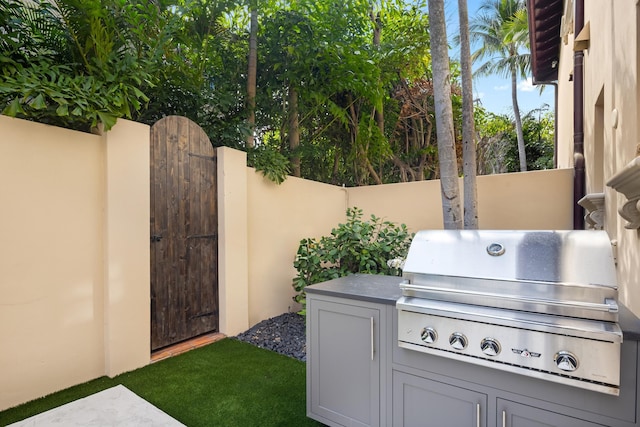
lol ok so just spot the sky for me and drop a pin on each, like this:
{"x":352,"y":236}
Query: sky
{"x":494,"y":92}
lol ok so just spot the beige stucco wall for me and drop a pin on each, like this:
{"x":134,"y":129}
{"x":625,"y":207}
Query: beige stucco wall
{"x":126,"y":235}
{"x":279,"y":217}
{"x":74,"y":258}
{"x":564,"y":93}
{"x":233,"y":251}
{"x":611,"y":116}
{"x":526,"y":201}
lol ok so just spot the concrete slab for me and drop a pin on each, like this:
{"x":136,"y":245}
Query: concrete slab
{"x":116,"y":406}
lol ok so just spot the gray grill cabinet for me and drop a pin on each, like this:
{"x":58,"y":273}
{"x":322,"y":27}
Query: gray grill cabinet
{"x":358,"y":376}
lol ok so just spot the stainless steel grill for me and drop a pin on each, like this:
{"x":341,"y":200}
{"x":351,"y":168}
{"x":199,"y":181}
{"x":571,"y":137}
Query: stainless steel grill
{"x":538,"y":303}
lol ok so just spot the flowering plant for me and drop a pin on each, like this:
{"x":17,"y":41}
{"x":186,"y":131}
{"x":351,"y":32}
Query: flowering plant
{"x":357,"y":246}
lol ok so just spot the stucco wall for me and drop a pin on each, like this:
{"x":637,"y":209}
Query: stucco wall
{"x":564,"y":93}
{"x":611,"y":117}
{"x":526,"y":201}
{"x":74,"y":263}
{"x":279,"y":217}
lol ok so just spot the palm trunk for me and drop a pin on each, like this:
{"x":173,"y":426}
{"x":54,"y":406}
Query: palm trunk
{"x":516,"y":113}
{"x":468,"y":131}
{"x":450,"y":191}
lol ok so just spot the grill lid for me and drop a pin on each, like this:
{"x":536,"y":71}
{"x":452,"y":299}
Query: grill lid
{"x":568,"y":273}
{"x":580,"y":257}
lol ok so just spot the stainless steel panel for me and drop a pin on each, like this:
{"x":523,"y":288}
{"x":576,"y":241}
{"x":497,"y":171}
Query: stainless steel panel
{"x":575,"y":257}
{"x":597,"y":387}
{"x":517,"y":320}
{"x":537,"y":297}
{"x":530,"y":353}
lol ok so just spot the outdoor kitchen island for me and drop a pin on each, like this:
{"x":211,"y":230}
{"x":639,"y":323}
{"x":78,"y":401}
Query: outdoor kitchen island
{"x":358,"y":375}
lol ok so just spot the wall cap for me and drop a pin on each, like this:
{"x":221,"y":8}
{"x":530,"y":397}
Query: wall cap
{"x":627,"y":182}
{"x":594,"y":205}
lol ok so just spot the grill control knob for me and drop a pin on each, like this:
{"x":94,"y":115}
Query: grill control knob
{"x":490,"y":347}
{"x":458,"y":341}
{"x":429,"y":335}
{"x":566,"y":361}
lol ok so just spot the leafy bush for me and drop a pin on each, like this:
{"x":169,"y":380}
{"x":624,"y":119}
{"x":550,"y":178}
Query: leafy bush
{"x":75,"y":63}
{"x":357,"y":246}
{"x":273,"y":165}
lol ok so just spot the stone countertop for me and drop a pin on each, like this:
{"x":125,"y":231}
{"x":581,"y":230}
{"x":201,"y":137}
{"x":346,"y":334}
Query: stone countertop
{"x":386,"y":290}
{"x":364,"y":287}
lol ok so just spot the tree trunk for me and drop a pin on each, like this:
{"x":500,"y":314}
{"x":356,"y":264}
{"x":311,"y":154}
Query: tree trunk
{"x":516,"y":114}
{"x":294,"y":131}
{"x":373,"y":173}
{"x":469,"y":168}
{"x":451,"y":214}
{"x":251,"y":76}
{"x":377,"y":30}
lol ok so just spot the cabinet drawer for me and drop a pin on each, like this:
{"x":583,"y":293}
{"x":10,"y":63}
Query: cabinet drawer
{"x":513,"y":414}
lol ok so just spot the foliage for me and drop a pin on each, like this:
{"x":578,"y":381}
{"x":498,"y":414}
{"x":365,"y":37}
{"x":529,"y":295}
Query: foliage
{"x":356,"y":246}
{"x":497,"y":141}
{"x":538,"y":128}
{"x":273,"y":165}
{"x":201,"y":69}
{"x":362,"y":71}
{"x":502,"y":29}
{"x":74,"y":63}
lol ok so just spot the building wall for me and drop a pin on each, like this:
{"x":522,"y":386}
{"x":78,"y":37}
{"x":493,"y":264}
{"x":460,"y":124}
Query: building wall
{"x":564,"y":93}
{"x":74,"y":258}
{"x":611,"y":116}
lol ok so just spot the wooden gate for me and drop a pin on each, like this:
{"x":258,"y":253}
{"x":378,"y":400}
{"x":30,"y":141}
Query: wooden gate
{"x":184,"y":234}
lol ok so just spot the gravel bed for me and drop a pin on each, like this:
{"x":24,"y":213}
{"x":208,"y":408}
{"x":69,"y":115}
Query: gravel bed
{"x":284,"y":334}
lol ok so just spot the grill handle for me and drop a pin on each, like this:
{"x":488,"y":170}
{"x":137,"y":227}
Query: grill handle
{"x":372,"y":346}
{"x":609,"y":305}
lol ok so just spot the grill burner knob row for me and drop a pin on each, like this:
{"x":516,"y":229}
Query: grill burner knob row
{"x":490,"y":347}
{"x":429,"y":335}
{"x":566,"y":361}
{"x":458,"y":341}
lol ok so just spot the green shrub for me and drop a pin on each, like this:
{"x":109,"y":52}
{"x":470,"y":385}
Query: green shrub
{"x":357,"y":246}
{"x":273,"y":165}
{"x":77,"y":63}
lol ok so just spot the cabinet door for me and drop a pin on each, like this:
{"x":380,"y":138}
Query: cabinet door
{"x":419,"y":402}
{"x":512,"y":414}
{"x":343,"y":365}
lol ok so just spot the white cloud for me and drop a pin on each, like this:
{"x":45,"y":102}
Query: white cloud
{"x":526,"y":85}
{"x":502,"y":87}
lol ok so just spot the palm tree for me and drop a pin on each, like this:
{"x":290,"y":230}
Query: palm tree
{"x":500,"y":28}
{"x":469,"y":169}
{"x":444,"y":117}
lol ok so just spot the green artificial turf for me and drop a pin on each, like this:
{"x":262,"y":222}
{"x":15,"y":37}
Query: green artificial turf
{"x":227,"y":383}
